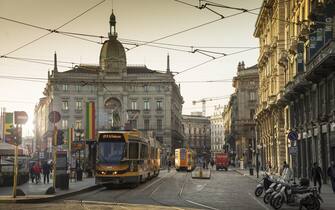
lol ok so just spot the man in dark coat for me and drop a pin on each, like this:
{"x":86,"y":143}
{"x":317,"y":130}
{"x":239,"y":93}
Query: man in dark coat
{"x":317,"y":175}
{"x":331,"y":174}
{"x":46,"y":171}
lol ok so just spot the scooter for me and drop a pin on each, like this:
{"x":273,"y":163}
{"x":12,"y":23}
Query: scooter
{"x":263,"y":185}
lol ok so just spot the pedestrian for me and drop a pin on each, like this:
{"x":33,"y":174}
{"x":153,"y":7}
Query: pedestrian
{"x":31,"y":171}
{"x":317,"y":175}
{"x":46,"y":172}
{"x":169,"y":164}
{"x":331,"y":174}
{"x":287,"y":173}
{"x":285,"y":165}
{"x":37,"y":172}
{"x":212,"y":163}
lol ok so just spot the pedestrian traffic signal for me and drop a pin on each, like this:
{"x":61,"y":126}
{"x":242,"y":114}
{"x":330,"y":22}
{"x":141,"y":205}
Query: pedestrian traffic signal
{"x":60,"y":137}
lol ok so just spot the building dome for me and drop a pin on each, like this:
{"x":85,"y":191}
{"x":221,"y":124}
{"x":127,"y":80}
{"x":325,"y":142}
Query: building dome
{"x":112,"y":54}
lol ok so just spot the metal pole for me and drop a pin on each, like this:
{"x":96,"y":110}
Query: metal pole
{"x":54,"y":147}
{"x":15,"y":171}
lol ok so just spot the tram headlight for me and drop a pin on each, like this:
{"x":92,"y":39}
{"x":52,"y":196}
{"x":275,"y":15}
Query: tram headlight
{"x":102,"y":172}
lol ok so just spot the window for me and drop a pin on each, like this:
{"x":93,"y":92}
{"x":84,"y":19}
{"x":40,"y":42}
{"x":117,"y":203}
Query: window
{"x":159,"y":105}
{"x":159,"y":124}
{"x":252,"y":96}
{"x":146,"y":105}
{"x":78,"y":124}
{"x":133,"y":150}
{"x":146,"y":88}
{"x":77,"y":88}
{"x":133,"y":105}
{"x":78,"y":105}
{"x":252,"y":113}
{"x":65,"y":105}
{"x":64,"y":124}
{"x":146,"y":124}
{"x":65,"y":87}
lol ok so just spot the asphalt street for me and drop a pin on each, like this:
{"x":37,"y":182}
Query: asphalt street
{"x":225,"y":190}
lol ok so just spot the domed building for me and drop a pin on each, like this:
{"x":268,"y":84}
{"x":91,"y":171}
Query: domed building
{"x":111,"y":95}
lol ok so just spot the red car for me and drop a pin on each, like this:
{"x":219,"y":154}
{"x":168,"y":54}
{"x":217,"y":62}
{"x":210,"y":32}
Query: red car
{"x":222,"y":161}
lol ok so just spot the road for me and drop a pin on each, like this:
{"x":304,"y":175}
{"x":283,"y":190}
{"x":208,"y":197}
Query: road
{"x":225,"y":190}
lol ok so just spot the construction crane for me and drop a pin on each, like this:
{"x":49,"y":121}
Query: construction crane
{"x":204,"y":100}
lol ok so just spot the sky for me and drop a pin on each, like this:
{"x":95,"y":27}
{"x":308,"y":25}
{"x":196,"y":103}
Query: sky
{"x":142,"y":20}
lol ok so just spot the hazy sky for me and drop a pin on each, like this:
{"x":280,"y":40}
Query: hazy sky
{"x":144,"y":20}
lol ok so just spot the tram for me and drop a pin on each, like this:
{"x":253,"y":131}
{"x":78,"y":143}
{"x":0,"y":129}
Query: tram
{"x":7,"y":165}
{"x":126,"y":157}
{"x":185,"y":159}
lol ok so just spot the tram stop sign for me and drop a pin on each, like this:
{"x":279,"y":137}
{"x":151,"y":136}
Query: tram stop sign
{"x":54,"y":117}
{"x":292,"y":135}
{"x":20,"y":117}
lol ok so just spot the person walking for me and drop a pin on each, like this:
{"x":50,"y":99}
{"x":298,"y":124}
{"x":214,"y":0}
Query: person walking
{"x":37,"y":172}
{"x":46,"y":172}
{"x":212,"y":163}
{"x":331,"y":174}
{"x":317,"y":175}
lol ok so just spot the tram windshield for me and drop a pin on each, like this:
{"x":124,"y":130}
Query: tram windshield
{"x":111,"y":152}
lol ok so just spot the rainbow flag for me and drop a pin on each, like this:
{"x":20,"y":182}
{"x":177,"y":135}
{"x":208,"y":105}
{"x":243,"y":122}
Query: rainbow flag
{"x":90,"y":121}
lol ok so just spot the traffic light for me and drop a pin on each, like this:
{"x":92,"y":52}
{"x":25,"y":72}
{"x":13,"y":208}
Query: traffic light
{"x":60,"y":137}
{"x":17,"y":135}
{"x":10,"y":131}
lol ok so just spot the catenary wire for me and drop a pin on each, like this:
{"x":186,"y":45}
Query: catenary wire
{"x":54,"y":30}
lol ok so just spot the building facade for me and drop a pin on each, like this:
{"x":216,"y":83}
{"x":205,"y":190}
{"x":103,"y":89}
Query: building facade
{"x":122,"y":95}
{"x":246,"y":90}
{"x":229,"y":123}
{"x":197,"y":133}
{"x":270,"y":29}
{"x":310,"y":83}
{"x":217,"y":130}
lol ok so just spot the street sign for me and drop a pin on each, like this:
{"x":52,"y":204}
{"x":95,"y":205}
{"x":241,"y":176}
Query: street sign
{"x":54,"y":117}
{"x":293,"y":150}
{"x":20,"y":117}
{"x":292,"y":135}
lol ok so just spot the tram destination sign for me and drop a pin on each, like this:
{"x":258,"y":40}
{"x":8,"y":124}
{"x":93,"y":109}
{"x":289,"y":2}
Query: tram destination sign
{"x":111,"y":136}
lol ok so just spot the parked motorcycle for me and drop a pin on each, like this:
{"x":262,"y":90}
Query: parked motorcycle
{"x":273,"y":189}
{"x":297,"y":195}
{"x":263,"y":185}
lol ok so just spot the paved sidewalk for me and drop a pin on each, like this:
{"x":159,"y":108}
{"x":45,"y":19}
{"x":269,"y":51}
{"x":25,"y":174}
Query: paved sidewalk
{"x":327,"y":193}
{"x":36,"y":192}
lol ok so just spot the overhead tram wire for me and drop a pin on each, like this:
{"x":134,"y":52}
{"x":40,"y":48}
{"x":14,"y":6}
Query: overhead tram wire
{"x":217,"y":58}
{"x":50,"y":31}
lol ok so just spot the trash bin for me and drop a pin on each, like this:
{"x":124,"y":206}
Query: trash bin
{"x":79,"y":175}
{"x":251,"y":171}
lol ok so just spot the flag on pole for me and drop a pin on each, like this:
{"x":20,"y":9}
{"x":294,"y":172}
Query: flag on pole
{"x":90,"y":121}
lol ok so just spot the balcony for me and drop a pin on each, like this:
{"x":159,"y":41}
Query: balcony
{"x":295,"y":87}
{"x":322,"y":64}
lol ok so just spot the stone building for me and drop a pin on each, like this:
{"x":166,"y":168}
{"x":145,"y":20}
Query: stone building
{"x":217,"y":130}
{"x":229,"y":123}
{"x":270,"y":29}
{"x":308,"y":61}
{"x":148,"y":100}
{"x":197,"y":133}
{"x":246,"y":90}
